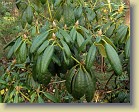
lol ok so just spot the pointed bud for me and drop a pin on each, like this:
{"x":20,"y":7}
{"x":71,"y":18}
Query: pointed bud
{"x":53,"y":35}
{"x":99,"y":32}
{"x":37,"y":23}
{"x":65,"y":26}
{"x":25,"y":37}
{"x":54,"y":24}
{"x":14,"y":62}
{"x":121,"y":8}
{"x":77,"y":23}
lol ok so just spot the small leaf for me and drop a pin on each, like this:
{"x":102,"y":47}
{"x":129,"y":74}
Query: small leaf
{"x":56,"y":60}
{"x":16,"y":98}
{"x":127,"y":48}
{"x":33,"y":97}
{"x":66,"y":59}
{"x":40,"y":100}
{"x":101,"y":49}
{"x":6,"y":96}
{"x":98,"y":39}
{"x":12,"y":93}
{"x":3,"y":82}
{"x":84,"y":29}
{"x":66,"y":49}
{"x":17,"y":44}
{"x":50,"y":97}
{"x":57,"y":94}
{"x":59,"y":35}
{"x":125,"y":36}
{"x":73,"y":33}
{"x":42,"y":47}
{"x":10,"y":53}
{"x":83,"y":46}
{"x":105,"y":27}
{"x":33,"y":31}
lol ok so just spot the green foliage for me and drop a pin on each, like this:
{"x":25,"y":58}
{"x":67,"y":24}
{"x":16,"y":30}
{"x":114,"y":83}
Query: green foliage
{"x":7,"y":19}
{"x":61,"y":46}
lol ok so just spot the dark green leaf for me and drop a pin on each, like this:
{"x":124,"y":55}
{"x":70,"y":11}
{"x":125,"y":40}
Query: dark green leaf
{"x":110,"y":30}
{"x":80,"y":39}
{"x":66,"y":36}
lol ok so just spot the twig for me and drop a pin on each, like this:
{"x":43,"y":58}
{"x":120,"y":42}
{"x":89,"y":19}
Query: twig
{"x":102,"y":64}
{"x":59,"y":45}
{"x":115,"y":90}
{"x":44,"y":17}
{"x":24,"y":96}
{"x":49,"y":9}
{"x":57,"y":82}
{"x":109,"y":80}
{"x":75,"y":60}
{"x":4,"y":39}
{"x":109,"y":2}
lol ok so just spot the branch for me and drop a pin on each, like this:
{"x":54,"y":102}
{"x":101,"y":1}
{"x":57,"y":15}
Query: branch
{"x":109,"y":80}
{"x":49,"y":9}
{"x":57,"y":82}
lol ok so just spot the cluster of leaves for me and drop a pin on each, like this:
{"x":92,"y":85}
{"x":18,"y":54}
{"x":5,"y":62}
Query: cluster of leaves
{"x":59,"y":34}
